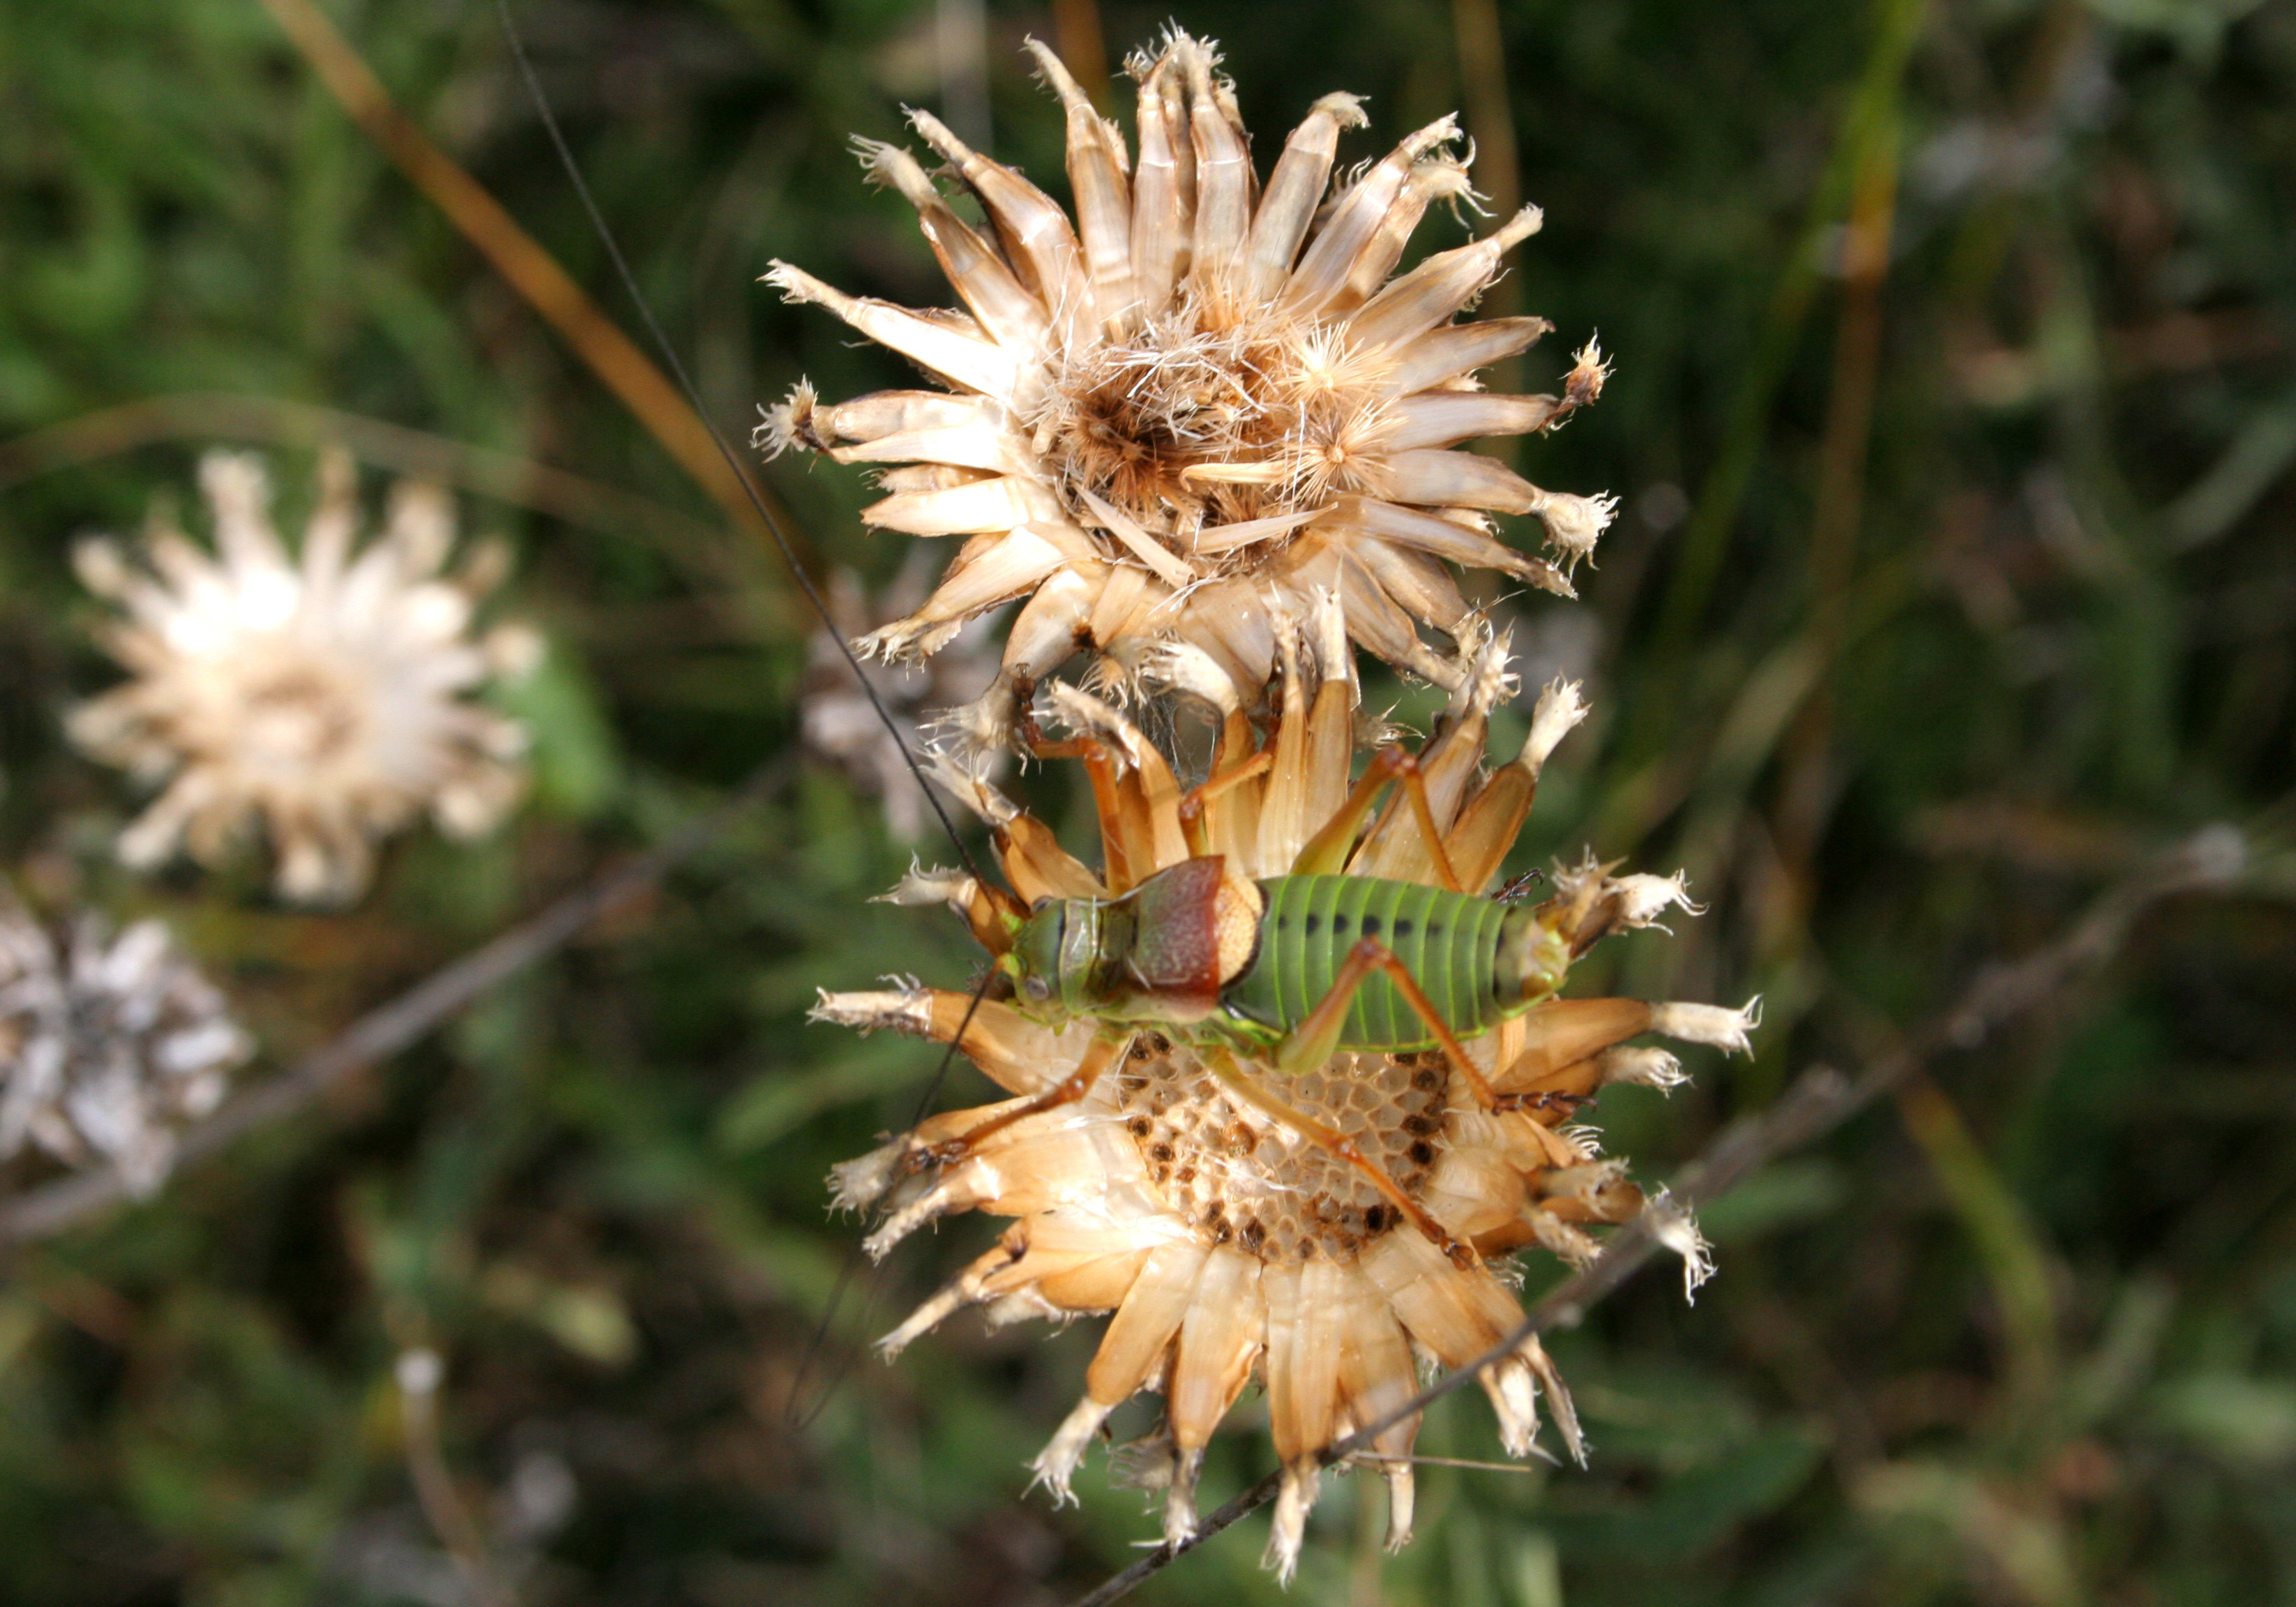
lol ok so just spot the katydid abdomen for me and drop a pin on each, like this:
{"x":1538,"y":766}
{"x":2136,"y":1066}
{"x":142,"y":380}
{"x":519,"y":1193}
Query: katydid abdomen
{"x":1449,"y":942}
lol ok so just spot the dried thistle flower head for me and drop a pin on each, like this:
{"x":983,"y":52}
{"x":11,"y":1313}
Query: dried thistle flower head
{"x":1204,"y":398}
{"x":322,"y":693}
{"x":1227,"y":1244}
{"x":840,"y":721}
{"x":107,"y":1045}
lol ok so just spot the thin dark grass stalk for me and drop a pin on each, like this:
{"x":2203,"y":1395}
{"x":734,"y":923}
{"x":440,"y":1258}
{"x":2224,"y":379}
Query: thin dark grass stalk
{"x":1843,"y":450}
{"x":1706,"y":542}
{"x":776,"y":527}
{"x":1499,"y":165}
{"x":278,"y":422}
{"x":800,"y":1412}
{"x":1468,"y":1463}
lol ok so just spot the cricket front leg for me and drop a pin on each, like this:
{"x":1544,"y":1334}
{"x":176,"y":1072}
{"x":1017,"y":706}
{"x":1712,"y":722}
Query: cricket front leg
{"x":1104,"y":1053}
{"x":1255,"y":1091}
{"x":1191,"y":806}
{"x":1123,"y":866}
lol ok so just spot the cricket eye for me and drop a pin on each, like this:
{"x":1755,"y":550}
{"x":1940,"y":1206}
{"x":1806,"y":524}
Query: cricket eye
{"x":1036,"y":988}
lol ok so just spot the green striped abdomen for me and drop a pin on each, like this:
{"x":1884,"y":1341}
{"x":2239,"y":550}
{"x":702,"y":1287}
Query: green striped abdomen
{"x":1447,"y":941}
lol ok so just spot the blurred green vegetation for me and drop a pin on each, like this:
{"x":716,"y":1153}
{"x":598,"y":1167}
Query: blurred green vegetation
{"x":2030,"y":1338}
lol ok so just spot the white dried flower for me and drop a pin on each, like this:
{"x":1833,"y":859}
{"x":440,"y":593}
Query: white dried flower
{"x":1558,"y":712}
{"x":1724,"y":1028}
{"x":322,"y":694}
{"x":1202,"y":401}
{"x":1646,"y":1066}
{"x":107,"y":1046}
{"x":1599,"y":904}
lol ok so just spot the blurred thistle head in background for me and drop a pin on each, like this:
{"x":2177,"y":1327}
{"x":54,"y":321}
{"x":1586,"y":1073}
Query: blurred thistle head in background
{"x":107,"y":1045}
{"x":1200,"y":405}
{"x":1230,"y":1246}
{"x":325,"y":693}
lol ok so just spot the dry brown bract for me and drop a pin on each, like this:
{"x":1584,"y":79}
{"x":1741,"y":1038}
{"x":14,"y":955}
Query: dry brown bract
{"x":323,"y":695}
{"x":1228,"y":1248}
{"x":106,"y":1045}
{"x":1202,"y":403}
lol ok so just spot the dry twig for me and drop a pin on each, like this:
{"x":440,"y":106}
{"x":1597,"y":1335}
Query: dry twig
{"x":47,"y":1210}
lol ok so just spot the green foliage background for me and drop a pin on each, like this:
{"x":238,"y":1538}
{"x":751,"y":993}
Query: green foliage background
{"x":2040,"y":1348}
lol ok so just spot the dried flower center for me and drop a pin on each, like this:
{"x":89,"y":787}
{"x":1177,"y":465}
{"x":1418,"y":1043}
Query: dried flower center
{"x":1189,"y":427}
{"x":295,"y":716}
{"x":95,"y":1026}
{"x":1240,"y":1179}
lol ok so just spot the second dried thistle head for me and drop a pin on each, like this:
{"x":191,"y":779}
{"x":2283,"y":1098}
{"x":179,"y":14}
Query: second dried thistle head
{"x":109,"y":1042}
{"x":324,"y":695}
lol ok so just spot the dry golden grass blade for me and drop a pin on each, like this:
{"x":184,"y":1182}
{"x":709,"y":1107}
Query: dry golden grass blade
{"x":532,"y":271}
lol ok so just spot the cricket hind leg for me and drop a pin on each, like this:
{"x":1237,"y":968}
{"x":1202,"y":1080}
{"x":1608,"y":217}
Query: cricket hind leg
{"x":1326,"y":852}
{"x":1255,"y":1092}
{"x":1316,"y":1038}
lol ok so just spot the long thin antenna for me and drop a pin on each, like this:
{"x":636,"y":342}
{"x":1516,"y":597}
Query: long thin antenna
{"x":676,"y":366}
{"x":798,"y":1416}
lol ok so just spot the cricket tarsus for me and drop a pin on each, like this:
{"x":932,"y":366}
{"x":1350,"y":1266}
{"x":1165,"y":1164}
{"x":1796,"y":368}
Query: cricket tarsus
{"x":1514,"y":892}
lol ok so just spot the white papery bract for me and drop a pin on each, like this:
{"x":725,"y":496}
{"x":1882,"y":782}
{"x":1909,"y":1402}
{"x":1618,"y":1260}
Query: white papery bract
{"x":324,"y":693}
{"x":108,"y":1044}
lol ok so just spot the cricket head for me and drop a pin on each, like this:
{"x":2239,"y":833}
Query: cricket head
{"x":1056,"y":958}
